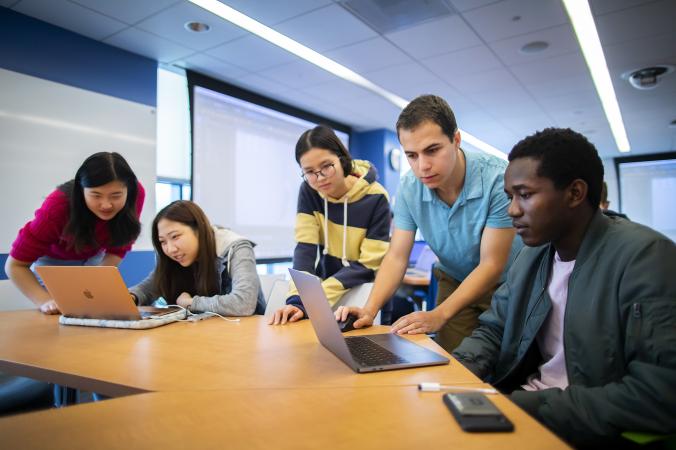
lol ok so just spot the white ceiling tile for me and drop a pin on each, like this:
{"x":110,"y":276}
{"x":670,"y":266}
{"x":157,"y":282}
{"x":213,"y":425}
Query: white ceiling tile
{"x":467,"y":61}
{"x":499,"y":20}
{"x":339,"y":113}
{"x":580,"y":120}
{"x":640,"y":53}
{"x":70,"y":16}
{"x":465,"y":5}
{"x":211,"y":66}
{"x":147,"y":44}
{"x":401,"y":77}
{"x":525,"y":125}
{"x":251,"y":53}
{"x":436,"y":87}
{"x":435,"y":37}
{"x":574,"y":101}
{"x":170,"y":24}
{"x":326,"y":28}
{"x":561,"y":40}
{"x":648,"y":19}
{"x":489,"y":130}
{"x":484,"y":81}
{"x":128,"y":11}
{"x":369,"y":55}
{"x":552,"y":87}
{"x":505,"y":102}
{"x":260,"y":85}
{"x":564,"y":66}
{"x":600,"y":7}
{"x":337,"y":91}
{"x":270,"y":12}
{"x":298,"y":74}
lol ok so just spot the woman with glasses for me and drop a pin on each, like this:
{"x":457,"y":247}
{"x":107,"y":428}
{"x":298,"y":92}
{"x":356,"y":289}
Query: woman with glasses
{"x":343,"y":214}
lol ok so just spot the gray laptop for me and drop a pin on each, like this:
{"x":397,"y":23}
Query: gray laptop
{"x":362,"y":353}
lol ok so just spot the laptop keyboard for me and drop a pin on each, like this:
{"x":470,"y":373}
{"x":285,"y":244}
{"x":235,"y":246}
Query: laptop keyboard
{"x":368,"y":353}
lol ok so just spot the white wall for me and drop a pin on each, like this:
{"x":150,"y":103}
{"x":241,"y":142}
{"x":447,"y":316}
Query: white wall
{"x":47,"y":129}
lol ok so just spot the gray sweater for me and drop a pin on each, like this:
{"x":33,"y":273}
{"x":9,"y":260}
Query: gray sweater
{"x":240,"y":289}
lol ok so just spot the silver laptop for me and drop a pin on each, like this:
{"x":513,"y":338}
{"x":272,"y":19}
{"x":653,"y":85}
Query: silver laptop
{"x":93,"y":292}
{"x":362,"y":353}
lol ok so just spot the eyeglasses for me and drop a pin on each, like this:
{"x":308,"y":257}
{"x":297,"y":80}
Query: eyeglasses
{"x":325,"y":171}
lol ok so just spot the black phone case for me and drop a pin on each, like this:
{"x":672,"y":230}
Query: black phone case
{"x":475,"y":424}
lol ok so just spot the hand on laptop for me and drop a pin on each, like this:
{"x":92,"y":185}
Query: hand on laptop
{"x":364,"y":318}
{"x":289,"y":313}
{"x":419,"y":322}
{"x":49,"y":307}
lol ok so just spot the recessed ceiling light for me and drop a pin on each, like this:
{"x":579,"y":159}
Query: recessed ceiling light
{"x":535,"y":47}
{"x":197,"y":27}
{"x":647,"y":77}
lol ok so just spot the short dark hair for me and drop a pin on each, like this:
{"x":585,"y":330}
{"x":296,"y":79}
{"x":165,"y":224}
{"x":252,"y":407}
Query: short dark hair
{"x":564,"y":155}
{"x":428,"y":108}
{"x":99,"y":169}
{"x":322,"y":136}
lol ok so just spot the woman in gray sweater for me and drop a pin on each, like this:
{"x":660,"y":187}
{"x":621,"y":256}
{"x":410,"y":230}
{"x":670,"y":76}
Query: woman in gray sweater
{"x":201,"y":267}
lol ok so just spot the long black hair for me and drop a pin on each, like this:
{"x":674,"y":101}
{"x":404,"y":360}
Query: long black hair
{"x":200,"y":278}
{"x":99,"y":169}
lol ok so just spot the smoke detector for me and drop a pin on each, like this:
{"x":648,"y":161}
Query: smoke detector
{"x":648,"y":77}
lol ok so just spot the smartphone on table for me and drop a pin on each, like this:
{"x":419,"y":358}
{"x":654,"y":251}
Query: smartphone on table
{"x":475,"y":412}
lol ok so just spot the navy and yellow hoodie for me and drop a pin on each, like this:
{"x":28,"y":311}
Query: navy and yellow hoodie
{"x":350,"y":234}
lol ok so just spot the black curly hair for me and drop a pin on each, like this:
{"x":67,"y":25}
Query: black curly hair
{"x":564,"y":155}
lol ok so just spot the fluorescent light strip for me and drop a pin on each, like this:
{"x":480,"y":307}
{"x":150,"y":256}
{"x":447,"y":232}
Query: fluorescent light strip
{"x":298,"y":49}
{"x":319,"y":60}
{"x":481,"y":145}
{"x":585,"y":30}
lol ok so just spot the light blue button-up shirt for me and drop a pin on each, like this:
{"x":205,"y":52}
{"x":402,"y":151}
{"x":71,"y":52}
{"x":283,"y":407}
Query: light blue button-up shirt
{"x":454,"y":232}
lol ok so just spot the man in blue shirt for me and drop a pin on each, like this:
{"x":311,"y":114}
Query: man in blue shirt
{"x":456,"y":198}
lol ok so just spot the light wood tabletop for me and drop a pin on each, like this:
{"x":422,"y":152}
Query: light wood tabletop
{"x":416,"y":280}
{"x":206,"y":355}
{"x":313,"y":418}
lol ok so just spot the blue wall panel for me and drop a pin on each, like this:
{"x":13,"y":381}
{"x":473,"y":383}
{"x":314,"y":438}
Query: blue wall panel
{"x":375,"y":146}
{"x":36,"y":48}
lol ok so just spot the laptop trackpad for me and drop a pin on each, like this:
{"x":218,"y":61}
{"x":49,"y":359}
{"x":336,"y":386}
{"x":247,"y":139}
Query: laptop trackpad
{"x":401,"y":346}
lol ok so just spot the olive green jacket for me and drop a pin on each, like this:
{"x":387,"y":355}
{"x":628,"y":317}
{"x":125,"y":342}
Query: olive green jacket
{"x":619,"y":334}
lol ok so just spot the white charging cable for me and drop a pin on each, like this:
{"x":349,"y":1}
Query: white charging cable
{"x":190,"y":313}
{"x":437,"y":387}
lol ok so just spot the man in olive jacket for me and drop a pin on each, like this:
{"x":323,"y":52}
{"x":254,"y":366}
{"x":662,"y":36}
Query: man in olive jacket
{"x":582,"y":334}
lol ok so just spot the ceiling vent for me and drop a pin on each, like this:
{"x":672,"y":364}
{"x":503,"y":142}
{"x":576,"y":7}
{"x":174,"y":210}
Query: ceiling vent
{"x":648,"y":77}
{"x":386,"y":16}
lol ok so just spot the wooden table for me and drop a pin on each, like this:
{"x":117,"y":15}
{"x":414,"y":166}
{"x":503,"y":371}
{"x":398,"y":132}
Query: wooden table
{"x":338,"y":418}
{"x":217,"y":384}
{"x":206,"y":355}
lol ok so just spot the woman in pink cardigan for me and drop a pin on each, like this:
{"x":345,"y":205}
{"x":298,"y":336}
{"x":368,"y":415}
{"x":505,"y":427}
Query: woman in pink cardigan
{"x":90,"y":220}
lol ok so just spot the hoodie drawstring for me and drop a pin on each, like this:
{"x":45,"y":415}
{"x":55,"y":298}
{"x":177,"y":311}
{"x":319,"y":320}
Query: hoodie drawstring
{"x":344,"y":260}
{"x":326,"y":227}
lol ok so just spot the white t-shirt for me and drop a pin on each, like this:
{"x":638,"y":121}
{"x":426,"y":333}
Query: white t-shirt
{"x":552,"y":373}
